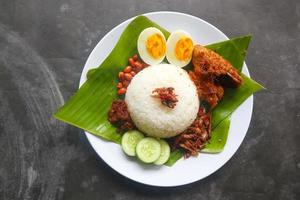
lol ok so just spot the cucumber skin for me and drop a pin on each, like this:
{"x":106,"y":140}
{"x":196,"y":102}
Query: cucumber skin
{"x":125,"y":146}
{"x":162,"y":159}
{"x":144,"y":158}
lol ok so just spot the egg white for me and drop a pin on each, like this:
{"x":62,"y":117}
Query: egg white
{"x":142,"y":49}
{"x":171,"y":45}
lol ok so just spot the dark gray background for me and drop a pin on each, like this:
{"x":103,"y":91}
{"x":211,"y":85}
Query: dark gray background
{"x":43,"y":47}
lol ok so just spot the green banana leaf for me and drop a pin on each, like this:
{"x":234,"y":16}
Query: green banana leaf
{"x":174,"y":157}
{"x":227,"y":49}
{"x":233,"y":98}
{"x":218,"y":138}
{"x":88,"y":107}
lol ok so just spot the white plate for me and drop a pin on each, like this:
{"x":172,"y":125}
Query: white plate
{"x":184,"y":171}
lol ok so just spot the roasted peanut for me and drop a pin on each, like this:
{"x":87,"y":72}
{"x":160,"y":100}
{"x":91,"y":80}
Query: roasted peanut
{"x":119,"y":85}
{"x":128,"y":69}
{"x":121,"y":91}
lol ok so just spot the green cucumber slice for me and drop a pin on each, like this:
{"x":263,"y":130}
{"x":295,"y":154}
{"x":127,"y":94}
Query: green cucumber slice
{"x":148,"y":150}
{"x":129,"y":141}
{"x":164,"y":153}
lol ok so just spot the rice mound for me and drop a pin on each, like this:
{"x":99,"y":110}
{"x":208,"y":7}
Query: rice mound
{"x":149,"y":114}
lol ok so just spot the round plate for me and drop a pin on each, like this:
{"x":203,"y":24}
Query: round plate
{"x":184,"y":171}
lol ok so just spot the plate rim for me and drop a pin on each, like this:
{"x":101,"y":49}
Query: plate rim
{"x":83,"y":79}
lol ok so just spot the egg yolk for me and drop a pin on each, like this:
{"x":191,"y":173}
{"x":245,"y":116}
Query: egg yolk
{"x":184,"y":48}
{"x":156,"y":46}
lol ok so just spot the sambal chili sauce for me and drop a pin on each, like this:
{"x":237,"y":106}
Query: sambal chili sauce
{"x":119,"y":116}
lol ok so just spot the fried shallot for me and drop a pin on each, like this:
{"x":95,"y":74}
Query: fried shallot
{"x":166,"y":95}
{"x":193,"y":139}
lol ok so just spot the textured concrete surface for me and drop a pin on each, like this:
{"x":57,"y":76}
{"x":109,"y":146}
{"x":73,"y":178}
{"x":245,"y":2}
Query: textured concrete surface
{"x":43,"y":47}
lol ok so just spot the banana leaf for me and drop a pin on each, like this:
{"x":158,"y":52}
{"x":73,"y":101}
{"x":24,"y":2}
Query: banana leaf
{"x":227,"y":48}
{"x":233,"y":98}
{"x":88,"y":107}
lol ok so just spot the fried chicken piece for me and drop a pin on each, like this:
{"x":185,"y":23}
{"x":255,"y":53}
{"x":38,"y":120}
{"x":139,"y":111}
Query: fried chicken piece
{"x":207,"y":62}
{"x":211,"y":74}
{"x":207,"y":89}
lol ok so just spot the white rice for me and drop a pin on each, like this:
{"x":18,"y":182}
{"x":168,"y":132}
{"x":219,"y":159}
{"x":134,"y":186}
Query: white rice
{"x":149,"y":114}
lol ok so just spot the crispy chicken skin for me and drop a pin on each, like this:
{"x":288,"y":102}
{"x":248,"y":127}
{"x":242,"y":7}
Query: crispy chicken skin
{"x":211,"y":73}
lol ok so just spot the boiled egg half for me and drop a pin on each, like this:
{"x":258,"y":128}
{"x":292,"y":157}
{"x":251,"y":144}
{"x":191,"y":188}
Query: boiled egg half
{"x":151,"y":46}
{"x":179,"y":48}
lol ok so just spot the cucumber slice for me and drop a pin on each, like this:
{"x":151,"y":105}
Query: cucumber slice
{"x":130,"y":140}
{"x":148,"y":150}
{"x":164,"y":153}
